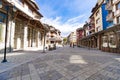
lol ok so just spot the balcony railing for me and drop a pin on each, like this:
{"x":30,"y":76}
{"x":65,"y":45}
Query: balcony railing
{"x":117,"y":13}
{"x":110,"y":17}
{"x":92,"y":21}
{"x":36,"y":17}
{"x":53,"y":35}
{"x":116,"y":1}
{"x":109,"y":5}
{"x":91,"y":27}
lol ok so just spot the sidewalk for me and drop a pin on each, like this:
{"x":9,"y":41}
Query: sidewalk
{"x":19,"y":57}
{"x":65,"y":63}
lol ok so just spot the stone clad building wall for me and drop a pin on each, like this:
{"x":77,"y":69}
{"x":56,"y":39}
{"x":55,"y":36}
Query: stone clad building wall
{"x":23,"y":31}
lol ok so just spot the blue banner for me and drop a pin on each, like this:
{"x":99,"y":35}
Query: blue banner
{"x":2,"y":17}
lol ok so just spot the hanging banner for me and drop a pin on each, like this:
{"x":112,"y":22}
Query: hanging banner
{"x":2,"y":17}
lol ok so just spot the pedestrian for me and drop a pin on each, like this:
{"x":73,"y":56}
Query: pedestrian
{"x":73,"y":45}
{"x":63,"y":45}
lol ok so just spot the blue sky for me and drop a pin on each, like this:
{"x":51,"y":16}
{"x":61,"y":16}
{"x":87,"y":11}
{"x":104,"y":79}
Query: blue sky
{"x":65,"y":15}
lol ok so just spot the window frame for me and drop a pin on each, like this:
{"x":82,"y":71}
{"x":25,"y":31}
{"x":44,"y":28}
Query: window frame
{"x":118,"y":6}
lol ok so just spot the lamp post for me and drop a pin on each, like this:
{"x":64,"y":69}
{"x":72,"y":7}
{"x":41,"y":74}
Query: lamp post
{"x":6,"y":31}
{"x":5,"y":60}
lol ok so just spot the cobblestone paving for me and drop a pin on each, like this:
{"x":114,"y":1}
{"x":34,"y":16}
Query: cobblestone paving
{"x":67,"y":64}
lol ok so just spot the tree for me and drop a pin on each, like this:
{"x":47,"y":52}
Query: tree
{"x":64,"y":40}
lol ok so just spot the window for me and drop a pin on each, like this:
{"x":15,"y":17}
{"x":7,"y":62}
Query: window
{"x":97,"y":29}
{"x":118,"y":19}
{"x":2,"y":20}
{"x":52,"y":41}
{"x":98,"y":20}
{"x":107,"y":1}
{"x":30,"y":11}
{"x":104,"y":41}
{"x":112,"y":41}
{"x":97,"y":13}
{"x":118,"y":6}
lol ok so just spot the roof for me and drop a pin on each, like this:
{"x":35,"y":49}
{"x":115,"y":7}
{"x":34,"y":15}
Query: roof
{"x":35,"y":4}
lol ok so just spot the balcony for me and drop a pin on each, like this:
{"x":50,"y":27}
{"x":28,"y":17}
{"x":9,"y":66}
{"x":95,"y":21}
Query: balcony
{"x":117,"y":13}
{"x":109,"y":5}
{"x":116,"y":1}
{"x":110,"y":17}
{"x":91,"y":27}
{"x":92,"y":21}
{"x":36,"y":16}
{"x":21,"y":7}
{"x":53,"y":34}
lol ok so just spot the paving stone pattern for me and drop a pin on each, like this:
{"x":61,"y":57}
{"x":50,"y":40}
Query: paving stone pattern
{"x":67,"y":64}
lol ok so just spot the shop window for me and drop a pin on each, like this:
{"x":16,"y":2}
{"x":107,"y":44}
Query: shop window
{"x":2,"y":20}
{"x":112,"y":41}
{"x":105,"y":41}
{"x":18,"y":29}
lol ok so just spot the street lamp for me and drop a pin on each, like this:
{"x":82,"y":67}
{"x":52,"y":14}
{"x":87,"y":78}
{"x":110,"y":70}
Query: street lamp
{"x":7,"y":11}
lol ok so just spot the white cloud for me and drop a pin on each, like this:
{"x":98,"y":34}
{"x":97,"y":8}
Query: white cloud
{"x":67,"y":27}
{"x":79,"y":10}
{"x":75,"y":19}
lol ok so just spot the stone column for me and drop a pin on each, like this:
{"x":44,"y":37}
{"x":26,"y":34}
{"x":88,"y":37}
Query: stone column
{"x":12,"y":35}
{"x":42,"y":39}
{"x":36,"y":34}
{"x":25,"y":37}
{"x":99,"y":42}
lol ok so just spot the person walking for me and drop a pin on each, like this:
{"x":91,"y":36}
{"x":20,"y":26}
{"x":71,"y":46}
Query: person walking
{"x":73,"y":45}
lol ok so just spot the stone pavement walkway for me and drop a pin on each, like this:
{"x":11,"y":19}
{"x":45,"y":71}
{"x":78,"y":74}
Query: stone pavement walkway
{"x":65,"y":64}
{"x":19,"y":57}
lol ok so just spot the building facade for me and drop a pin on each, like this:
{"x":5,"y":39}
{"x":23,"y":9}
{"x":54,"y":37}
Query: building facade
{"x":111,"y":37}
{"x":53,"y":37}
{"x":24,"y":28}
{"x":102,"y":31}
{"x":72,"y":38}
{"x":79,"y":35}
